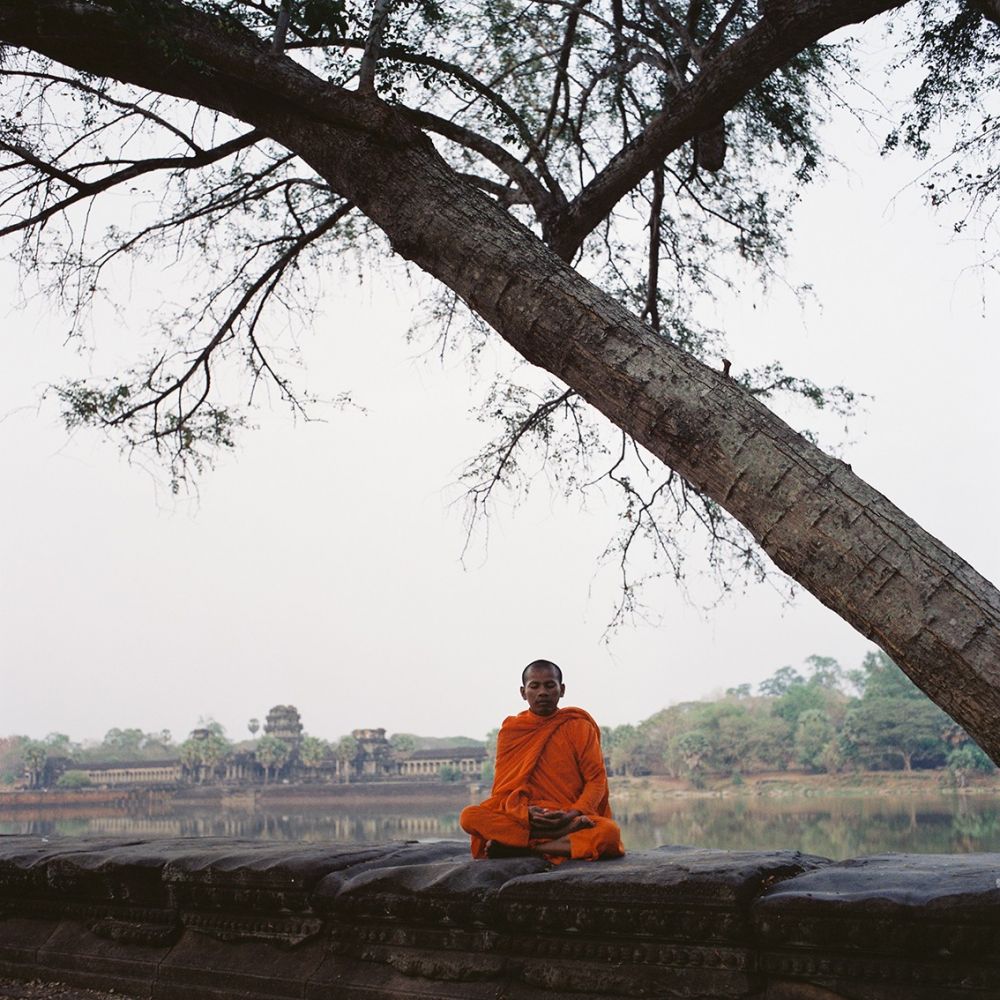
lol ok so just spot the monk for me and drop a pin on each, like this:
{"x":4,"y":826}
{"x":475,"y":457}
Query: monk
{"x":550,"y":793}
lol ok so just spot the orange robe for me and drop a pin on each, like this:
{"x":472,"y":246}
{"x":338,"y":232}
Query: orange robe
{"x":553,"y":761}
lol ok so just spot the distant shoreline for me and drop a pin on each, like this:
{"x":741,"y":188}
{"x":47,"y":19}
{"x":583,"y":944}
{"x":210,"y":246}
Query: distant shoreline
{"x":249,"y":798}
{"x":779,"y":784}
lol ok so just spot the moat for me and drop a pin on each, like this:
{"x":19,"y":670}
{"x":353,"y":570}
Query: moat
{"x":838,"y":826}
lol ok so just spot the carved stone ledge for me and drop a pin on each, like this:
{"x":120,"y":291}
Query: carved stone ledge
{"x":898,"y":927}
{"x":224,"y":920}
{"x":672,"y":893}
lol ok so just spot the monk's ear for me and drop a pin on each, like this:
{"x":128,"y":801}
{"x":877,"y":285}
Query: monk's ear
{"x":523,"y":695}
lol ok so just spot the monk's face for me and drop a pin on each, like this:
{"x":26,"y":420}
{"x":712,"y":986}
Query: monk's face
{"x":542,"y":690}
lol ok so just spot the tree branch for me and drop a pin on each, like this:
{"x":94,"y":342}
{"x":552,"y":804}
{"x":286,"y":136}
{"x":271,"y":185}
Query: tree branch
{"x":88,"y":189}
{"x":720,"y":86}
{"x":538,"y":196}
{"x":369,"y":59}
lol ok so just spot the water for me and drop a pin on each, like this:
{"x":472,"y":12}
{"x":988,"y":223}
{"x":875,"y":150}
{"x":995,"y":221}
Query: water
{"x":835,"y":827}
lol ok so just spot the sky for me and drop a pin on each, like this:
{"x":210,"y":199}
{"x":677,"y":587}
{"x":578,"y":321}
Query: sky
{"x":321,"y":563}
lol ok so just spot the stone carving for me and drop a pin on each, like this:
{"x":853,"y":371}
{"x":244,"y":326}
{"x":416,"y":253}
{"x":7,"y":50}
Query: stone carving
{"x":188,"y":919}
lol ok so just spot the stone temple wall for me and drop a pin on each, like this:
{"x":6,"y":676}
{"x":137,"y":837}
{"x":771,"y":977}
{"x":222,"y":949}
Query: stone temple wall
{"x":225,"y":919}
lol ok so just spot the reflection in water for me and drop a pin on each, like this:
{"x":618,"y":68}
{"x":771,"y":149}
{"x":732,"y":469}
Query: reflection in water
{"x":832,"y":827}
{"x":303,"y":824}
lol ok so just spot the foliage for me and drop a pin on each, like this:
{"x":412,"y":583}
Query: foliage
{"x":488,"y":773}
{"x":313,"y":751}
{"x":952,"y":116}
{"x":527,"y":101}
{"x":814,"y":734}
{"x":968,"y":760}
{"x":449,"y":773}
{"x":34,"y":754}
{"x":805,"y":719}
{"x":201,"y":755}
{"x":346,"y":751}
{"x":272,"y":754}
{"x":73,"y":779}
{"x":403,"y":743}
{"x":129,"y":744}
{"x":12,"y":758}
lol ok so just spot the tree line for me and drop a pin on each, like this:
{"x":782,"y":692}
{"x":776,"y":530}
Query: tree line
{"x":22,"y":757}
{"x":206,"y":748}
{"x":823,"y":720}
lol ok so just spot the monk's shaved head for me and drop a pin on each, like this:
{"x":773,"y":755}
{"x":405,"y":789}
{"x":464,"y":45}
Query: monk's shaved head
{"x":541,"y":665}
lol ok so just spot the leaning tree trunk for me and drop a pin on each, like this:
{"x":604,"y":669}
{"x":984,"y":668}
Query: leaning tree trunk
{"x":830,"y":531}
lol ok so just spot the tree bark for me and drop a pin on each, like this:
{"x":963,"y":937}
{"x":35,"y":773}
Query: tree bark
{"x":839,"y":538}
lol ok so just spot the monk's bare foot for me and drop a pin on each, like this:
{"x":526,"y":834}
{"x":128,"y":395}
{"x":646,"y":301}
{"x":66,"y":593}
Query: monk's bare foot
{"x":495,"y":849}
{"x":559,"y":848}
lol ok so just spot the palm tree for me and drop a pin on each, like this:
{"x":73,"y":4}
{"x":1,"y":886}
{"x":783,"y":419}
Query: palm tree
{"x":190,"y":754}
{"x":346,"y":752}
{"x":312,"y":752}
{"x":34,"y":755}
{"x":272,"y":754}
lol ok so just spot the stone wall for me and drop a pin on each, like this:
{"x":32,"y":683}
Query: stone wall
{"x":223,"y":919}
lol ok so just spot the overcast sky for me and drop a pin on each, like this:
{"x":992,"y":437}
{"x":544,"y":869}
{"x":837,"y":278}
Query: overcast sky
{"x":321,"y":565}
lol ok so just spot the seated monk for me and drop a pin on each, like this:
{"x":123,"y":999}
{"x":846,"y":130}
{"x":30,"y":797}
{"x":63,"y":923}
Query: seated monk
{"x":550,"y":793}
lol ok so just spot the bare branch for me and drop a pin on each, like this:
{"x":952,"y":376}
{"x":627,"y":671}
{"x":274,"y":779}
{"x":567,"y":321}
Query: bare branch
{"x":201,"y":359}
{"x":651,"y":313}
{"x":88,"y":189}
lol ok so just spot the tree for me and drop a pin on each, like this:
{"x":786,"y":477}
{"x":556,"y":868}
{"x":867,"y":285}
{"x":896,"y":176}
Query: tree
{"x":123,"y":744}
{"x":312,"y":752}
{"x":60,"y":745}
{"x":402,"y":743}
{"x":968,"y":760}
{"x":346,"y":752}
{"x":272,"y":754}
{"x":254,"y":726}
{"x":901,"y":729}
{"x":212,"y":751}
{"x":73,"y":779}
{"x":12,"y":758}
{"x":190,"y":755}
{"x":555,"y":116}
{"x":625,"y":750}
{"x":814,"y":734}
{"x":691,"y":749}
{"x":781,"y":682}
{"x":34,"y":754}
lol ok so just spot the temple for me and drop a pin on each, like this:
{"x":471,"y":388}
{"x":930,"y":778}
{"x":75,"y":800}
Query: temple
{"x":371,"y":757}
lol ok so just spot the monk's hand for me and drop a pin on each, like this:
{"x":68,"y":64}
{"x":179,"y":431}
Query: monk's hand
{"x":554,"y":823}
{"x":540,"y":816}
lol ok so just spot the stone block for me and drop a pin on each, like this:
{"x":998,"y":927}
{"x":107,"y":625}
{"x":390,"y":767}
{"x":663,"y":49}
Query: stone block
{"x":673,"y":922}
{"x":430,"y":885}
{"x":677,"y":894}
{"x":343,"y":978}
{"x":20,"y":939}
{"x":257,"y":877}
{"x":892,"y":927}
{"x":78,"y":954}
{"x":25,"y":866}
{"x":203,"y":968}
